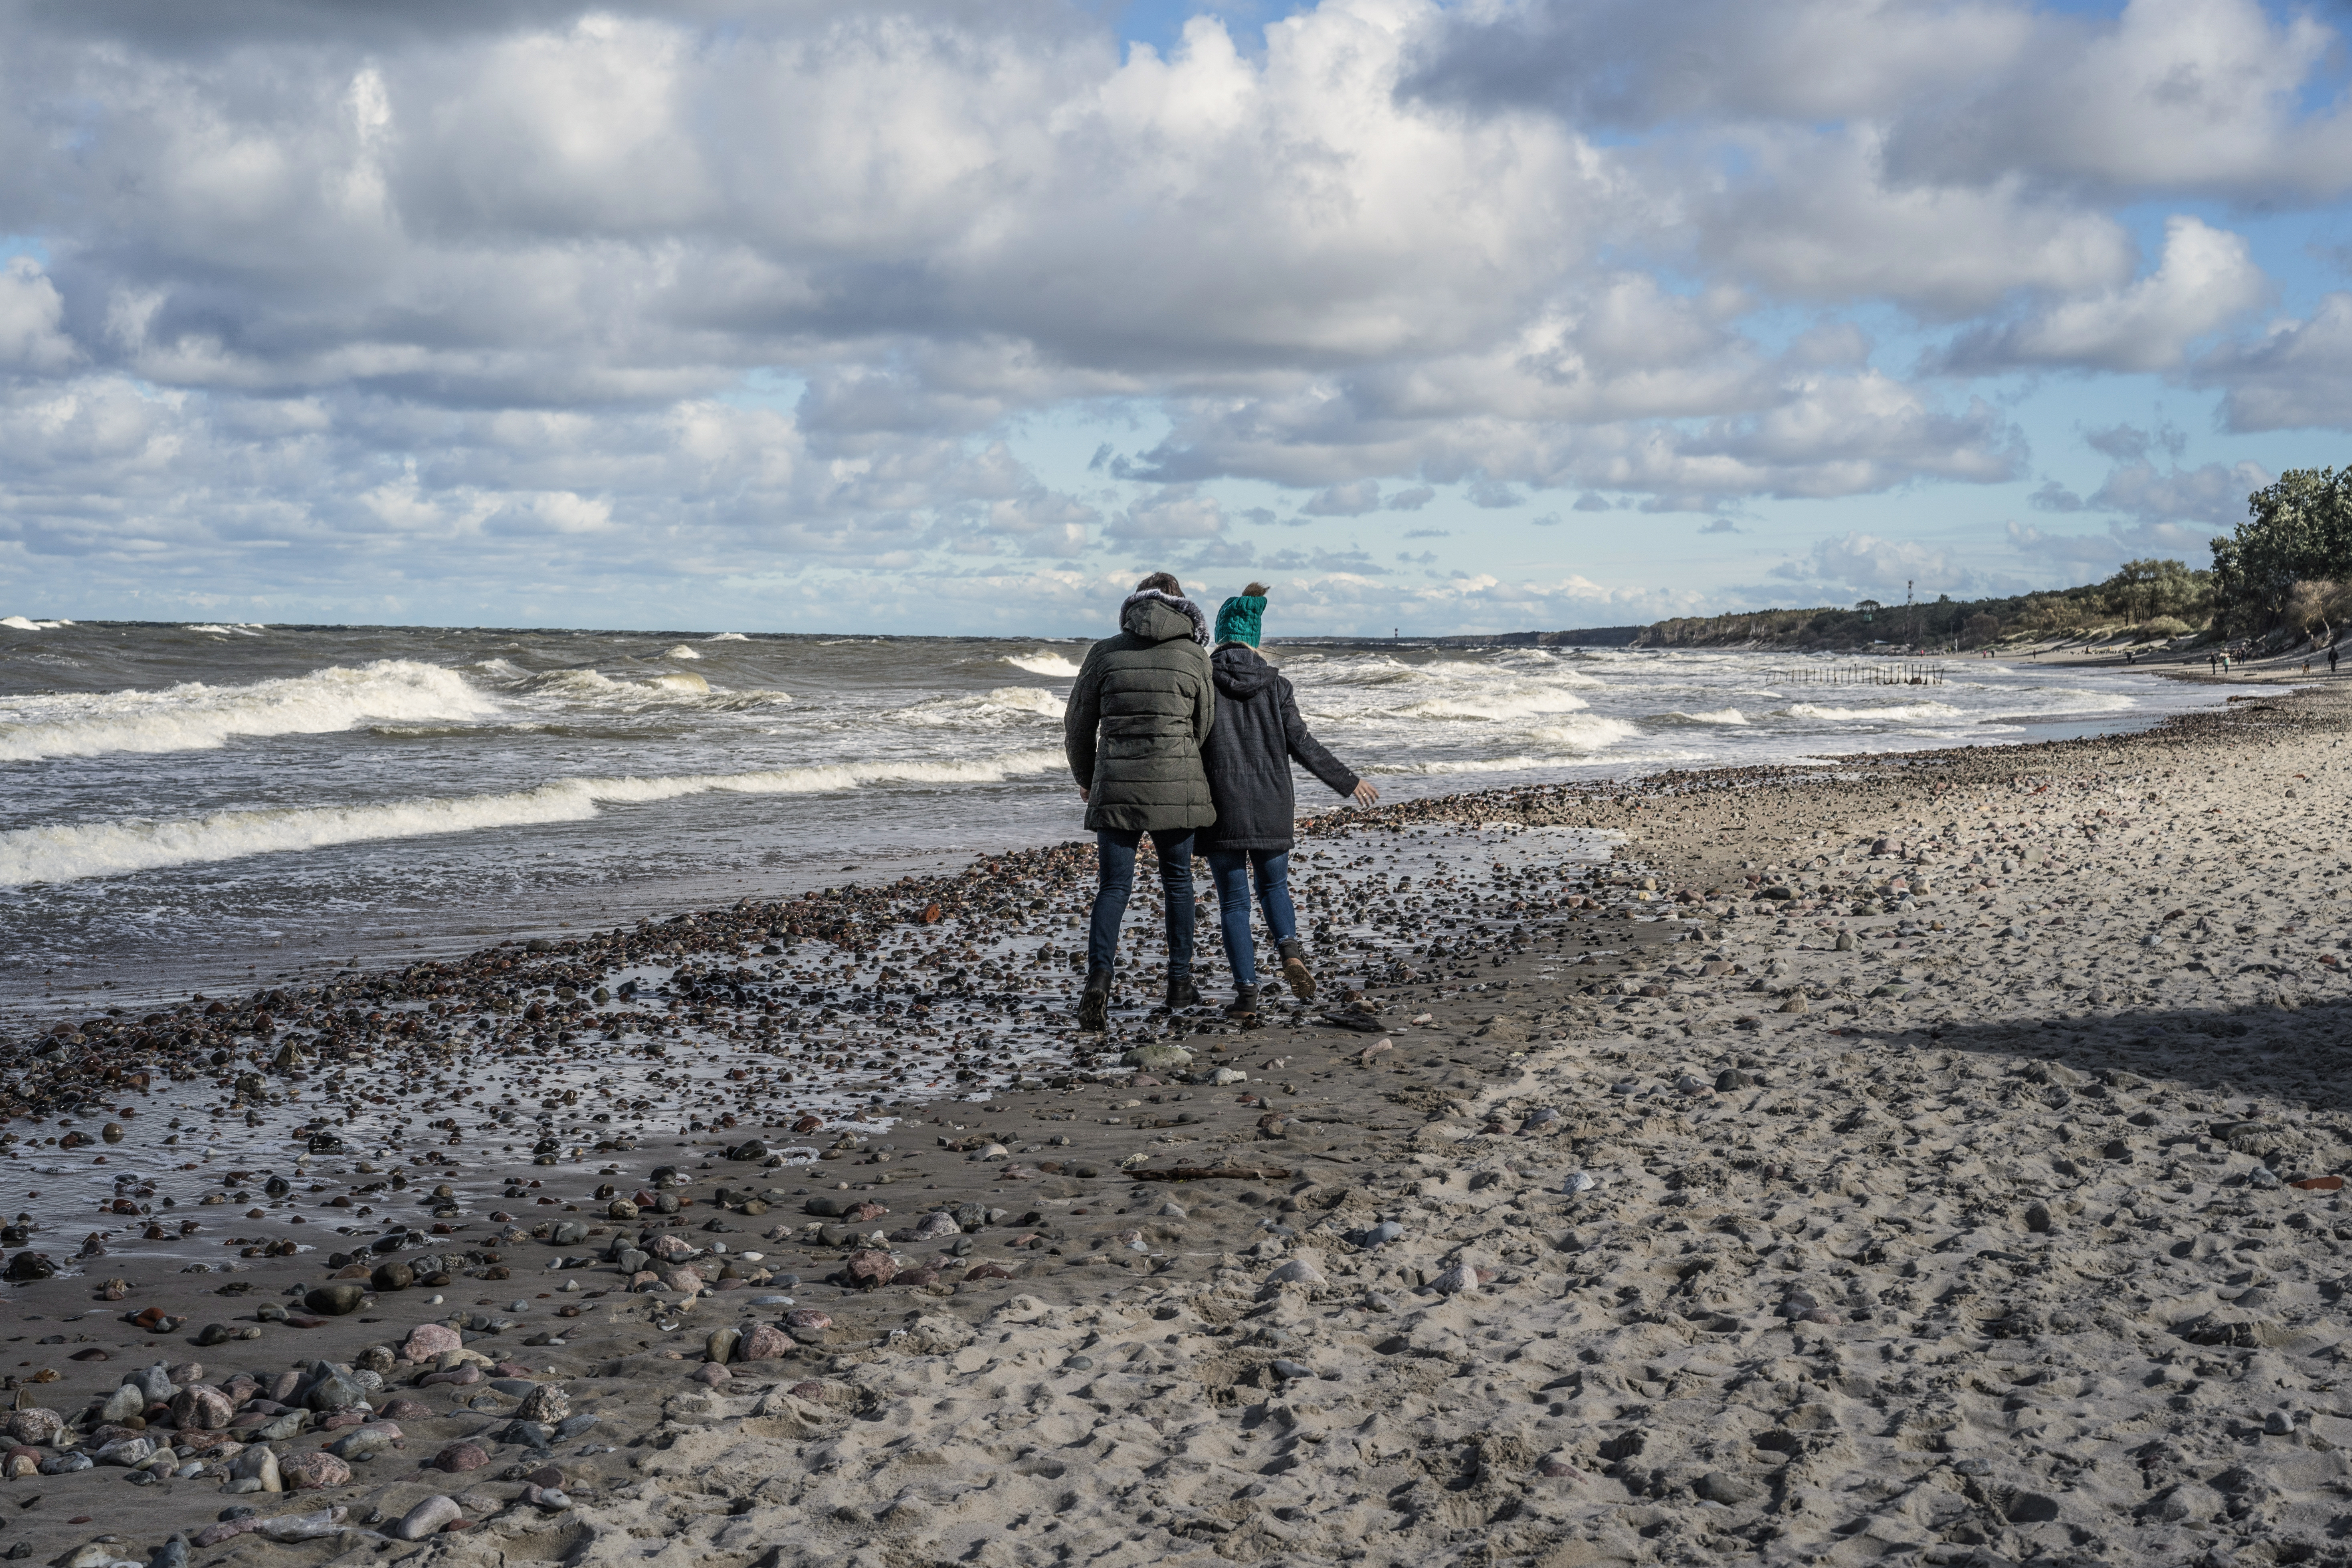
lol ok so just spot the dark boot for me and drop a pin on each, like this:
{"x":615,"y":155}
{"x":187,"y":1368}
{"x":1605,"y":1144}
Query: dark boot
{"x":1294,"y":970}
{"x":1245,"y":1002}
{"x":1093,"y":1001}
{"x":1182,"y":991}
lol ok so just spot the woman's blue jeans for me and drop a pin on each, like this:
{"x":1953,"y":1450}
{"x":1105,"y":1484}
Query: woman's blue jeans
{"x":1229,"y":870}
{"x":1115,"y":860}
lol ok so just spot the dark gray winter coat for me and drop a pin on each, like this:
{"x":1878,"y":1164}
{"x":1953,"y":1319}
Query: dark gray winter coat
{"x":1257,"y":735}
{"x":1142,"y":706}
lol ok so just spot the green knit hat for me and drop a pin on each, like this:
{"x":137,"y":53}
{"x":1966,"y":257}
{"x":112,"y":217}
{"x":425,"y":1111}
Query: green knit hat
{"x":1238,"y":618}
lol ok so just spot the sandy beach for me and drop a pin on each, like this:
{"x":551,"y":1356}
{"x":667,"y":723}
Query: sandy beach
{"x":1930,"y":1157}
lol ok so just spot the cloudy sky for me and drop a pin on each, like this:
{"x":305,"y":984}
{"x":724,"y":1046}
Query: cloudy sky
{"x":952,"y":316}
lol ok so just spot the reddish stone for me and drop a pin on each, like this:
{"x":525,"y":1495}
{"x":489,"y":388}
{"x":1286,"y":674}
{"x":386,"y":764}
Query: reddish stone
{"x":313,"y":1471}
{"x":431,"y":1342}
{"x":764,"y":1342}
{"x":458,"y":1458}
{"x":870,"y":1269}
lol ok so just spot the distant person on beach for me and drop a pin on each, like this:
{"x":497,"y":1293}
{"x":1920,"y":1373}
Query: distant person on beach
{"x":1133,"y":731}
{"x":1257,"y":735}
{"x":2331,"y":659}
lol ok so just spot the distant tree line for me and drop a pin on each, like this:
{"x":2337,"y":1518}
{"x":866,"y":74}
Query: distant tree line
{"x":2150,"y":599}
{"x":2285,"y":575}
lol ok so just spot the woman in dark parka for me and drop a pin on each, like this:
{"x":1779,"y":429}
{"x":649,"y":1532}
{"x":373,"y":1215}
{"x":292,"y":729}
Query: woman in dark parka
{"x":1138,"y":714}
{"x":1256,"y":736}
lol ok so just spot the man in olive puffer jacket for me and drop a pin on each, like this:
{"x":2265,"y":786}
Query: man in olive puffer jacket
{"x":1143,"y":704}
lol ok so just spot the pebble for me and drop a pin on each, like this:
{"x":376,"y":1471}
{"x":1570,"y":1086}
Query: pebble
{"x":1301,"y":1271}
{"x":430,"y":1516}
{"x":1459,"y":1279}
{"x":458,"y":1458}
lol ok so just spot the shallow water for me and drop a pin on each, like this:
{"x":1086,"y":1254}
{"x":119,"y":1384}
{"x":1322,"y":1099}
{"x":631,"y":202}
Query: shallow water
{"x":208,"y":804}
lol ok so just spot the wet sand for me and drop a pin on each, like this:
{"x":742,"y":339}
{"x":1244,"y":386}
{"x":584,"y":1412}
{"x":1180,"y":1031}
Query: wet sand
{"x":1890,"y":1161}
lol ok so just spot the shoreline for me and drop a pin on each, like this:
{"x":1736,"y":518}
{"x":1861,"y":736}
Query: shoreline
{"x":1792,"y":1227}
{"x":370,"y":938}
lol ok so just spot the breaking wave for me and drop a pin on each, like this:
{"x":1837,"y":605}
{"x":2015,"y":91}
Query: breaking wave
{"x":67,"y":853}
{"x":1018,"y":704}
{"x":194,"y":716}
{"x":1897,"y":713}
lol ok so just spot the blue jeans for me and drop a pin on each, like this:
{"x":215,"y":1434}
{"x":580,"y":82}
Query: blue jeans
{"x":1230,"y":868}
{"x":1115,"y":860}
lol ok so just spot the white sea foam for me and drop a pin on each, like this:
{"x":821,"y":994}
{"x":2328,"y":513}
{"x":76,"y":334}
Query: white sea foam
{"x":1548,"y":665}
{"x":249,"y":629}
{"x":726,"y":637}
{"x":27,"y":624}
{"x":66,"y":852}
{"x":1043,"y":664}
{"x":2073,"y":700}
{"x":681,"y":651}
{"x":1015,"y":704}
{"x":1586,"y":734}
{"x":1895,"y":713}
{"x":1437,"y":765}
{"x":595,"y":686}
{"x":1524,"y":702}
{"x":194,"y":716}
{"x":1708,"y":716}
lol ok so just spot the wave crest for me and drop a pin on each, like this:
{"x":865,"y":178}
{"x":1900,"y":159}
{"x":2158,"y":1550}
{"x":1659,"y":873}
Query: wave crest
{"x":1897,"y":713}
{"x":1014,"y":704}
{"x":194,"y":716}
{"x":68,"y":853}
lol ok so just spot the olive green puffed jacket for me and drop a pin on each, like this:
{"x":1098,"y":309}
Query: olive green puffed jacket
{"x":1143,"y":704}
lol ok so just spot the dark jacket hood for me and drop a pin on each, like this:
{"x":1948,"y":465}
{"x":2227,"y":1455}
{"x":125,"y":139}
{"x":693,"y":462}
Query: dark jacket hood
{"x":1156,"y":617}
{"x":1240,"y":672}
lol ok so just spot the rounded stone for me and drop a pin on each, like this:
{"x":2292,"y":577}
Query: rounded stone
{"x":336,"y":1300}
{"x":313,"y":1471}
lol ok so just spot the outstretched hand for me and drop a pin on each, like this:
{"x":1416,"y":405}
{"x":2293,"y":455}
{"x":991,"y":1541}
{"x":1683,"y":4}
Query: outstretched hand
{"x":1365,"y":794}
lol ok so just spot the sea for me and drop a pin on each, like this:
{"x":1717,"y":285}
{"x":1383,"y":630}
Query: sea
{"x":213,"y":804}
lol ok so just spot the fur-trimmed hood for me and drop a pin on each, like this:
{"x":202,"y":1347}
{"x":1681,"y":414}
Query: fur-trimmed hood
{"x":1151,"y":614}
